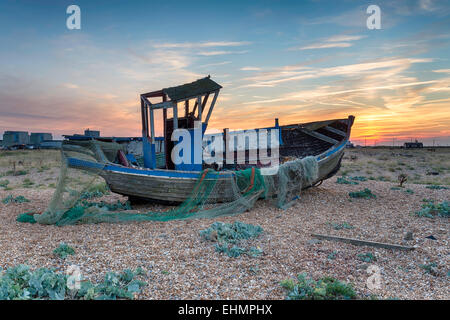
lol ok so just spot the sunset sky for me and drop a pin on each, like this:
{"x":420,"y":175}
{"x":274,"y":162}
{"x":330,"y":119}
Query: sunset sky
{"x":298,"y":61}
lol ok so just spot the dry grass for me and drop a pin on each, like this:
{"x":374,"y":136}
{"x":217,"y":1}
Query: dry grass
{"x":180,"y":265}
{"x":387,"y":164}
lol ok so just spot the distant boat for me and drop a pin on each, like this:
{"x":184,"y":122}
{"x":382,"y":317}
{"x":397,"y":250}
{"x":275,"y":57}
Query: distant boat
{"x":159,"y":179}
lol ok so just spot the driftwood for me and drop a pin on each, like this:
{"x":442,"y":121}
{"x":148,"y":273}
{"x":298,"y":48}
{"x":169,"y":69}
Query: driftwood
{"x":358,"y":242}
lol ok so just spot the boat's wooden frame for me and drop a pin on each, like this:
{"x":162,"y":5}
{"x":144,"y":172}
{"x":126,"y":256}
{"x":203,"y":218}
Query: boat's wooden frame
{"x":174,"y":186}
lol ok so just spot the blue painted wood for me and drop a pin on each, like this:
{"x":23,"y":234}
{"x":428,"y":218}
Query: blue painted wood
{"x":149,"y":152}
{"x":131,"y":158}
{"x":333,"y":150}
{"x":165,"y":173}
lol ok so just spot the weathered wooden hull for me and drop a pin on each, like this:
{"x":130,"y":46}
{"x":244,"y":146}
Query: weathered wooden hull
{"x":166,"y":189}
{"x":176,"y":189}
{"x":176,"y":186}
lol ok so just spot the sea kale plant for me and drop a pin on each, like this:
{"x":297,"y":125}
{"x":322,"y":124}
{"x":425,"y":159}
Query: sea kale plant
{"x":342,"y":180}
{"x":326,"y":288}
{"x":430,"y":209}
{"x":20,"y":283}
{"x":18,"y":199}
{"x":366,"y":257}
{"x":230,"y":237}
{"x":64,"y":250}
{"x":366,"y":194}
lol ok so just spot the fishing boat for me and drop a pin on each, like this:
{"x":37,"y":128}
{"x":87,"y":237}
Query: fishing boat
{"x":162,"y":177}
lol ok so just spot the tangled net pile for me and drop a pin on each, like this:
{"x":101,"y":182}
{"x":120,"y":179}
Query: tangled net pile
{"x":282,"y":187}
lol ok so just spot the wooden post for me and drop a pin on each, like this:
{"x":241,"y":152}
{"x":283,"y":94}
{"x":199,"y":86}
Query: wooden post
{"x":199,"y":103}
{"x":143,"y":117}
{"x":205,"y":100}
{"x":175,"y":116}
{"x":164,"y":98}
{"x":152,"y":126}
{"x":211,"y":107}
{"x":225,"y":144}
{"x":195,"y":108}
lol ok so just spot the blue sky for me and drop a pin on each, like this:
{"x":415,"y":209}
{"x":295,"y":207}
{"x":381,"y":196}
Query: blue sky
{"x":296,"y":60}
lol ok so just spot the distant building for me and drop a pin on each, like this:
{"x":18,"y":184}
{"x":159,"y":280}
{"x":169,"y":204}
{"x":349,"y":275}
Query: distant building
{"x":11,"y":138}
{"x":415,"y":144}
{"x":92,"y":133}
{"x":349,"y":145}
{"x":37,"y":138}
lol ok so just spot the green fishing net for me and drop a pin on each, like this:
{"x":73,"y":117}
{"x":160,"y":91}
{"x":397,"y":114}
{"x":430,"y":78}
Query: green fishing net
{"x":281,"y":185}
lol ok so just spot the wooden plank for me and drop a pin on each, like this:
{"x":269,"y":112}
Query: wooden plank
{"x":195,"y":107}
{"x":358,"y":242}
{"x":319,"y":136}
{"x":211,"y":107}
{"x":163,"y":105}
{"x":334,"y":130}
{"x":153,"y":94}
{"x":186,"y":108}
{"x":175,"y":117}
{"x":205,"y":100}
{"x":143,"y":118}
{"x":200,"y":107}
{"x":152,"y":126}
{"x":164,"y":98}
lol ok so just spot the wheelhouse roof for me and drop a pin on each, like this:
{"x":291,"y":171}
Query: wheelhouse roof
{"x":193,"y":89}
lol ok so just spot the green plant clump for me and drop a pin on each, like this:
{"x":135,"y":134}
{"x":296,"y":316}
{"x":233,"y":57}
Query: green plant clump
{"x":326,"y":288}
{"x":114,"y":286}
{"x":64,"y":250}
{"x":20,"y":283}
{"x":16,"y":173}
{"x":235,"y":251}
{"x":431,"y":210}
{"x":332,"y":255}
{"x":4,"y":183}
{"x":366,"y":257}
{"x":434,"y":187}
{"x":344,"y":225}
{"x":342,"y":180}
{"x":18,"y":199}
{"x":359,"y":178}
{"x":366,"y":194}
{"x":428,"y":268}
{"x":230,"y":235}
{"x":27,"y":183}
